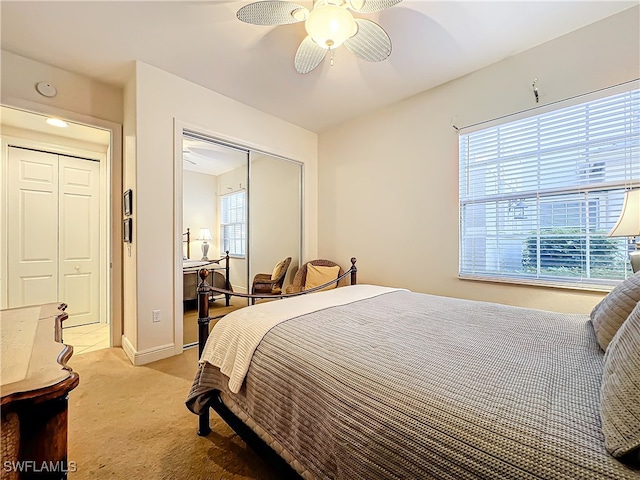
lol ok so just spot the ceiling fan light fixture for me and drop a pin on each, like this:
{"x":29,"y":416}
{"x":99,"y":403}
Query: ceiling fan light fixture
{"x":300,"y":14}
{"x":330,"y":25}
{"x":355,"y":4}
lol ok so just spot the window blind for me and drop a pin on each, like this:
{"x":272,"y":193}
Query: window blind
{"x":539,"y":194}
{"x":233,"y":230}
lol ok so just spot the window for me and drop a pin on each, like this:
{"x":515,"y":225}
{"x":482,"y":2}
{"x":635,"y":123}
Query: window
{"x":233,"y":227}
{"x":539,"y":194}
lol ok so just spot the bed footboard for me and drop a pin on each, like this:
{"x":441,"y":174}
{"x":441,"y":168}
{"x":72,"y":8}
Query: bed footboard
{"x":204,"y":290}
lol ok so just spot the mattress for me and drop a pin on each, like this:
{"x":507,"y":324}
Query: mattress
{"x":408,"y":385}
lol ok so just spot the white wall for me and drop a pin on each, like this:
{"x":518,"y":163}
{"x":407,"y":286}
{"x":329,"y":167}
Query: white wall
{"x":162,"y":99}
{"x":388,"y":182}
{"x":199,"y":206}
{"x":76,"y":93}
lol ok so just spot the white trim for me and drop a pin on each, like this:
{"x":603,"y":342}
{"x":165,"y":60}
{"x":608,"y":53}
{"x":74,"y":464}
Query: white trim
{"x":537,"y":283}
{"x":129,"y":351}
{"x":149,"y":355}
{"x":4,"y":215}
{"x":113,"y":207}
{"x":178,"y":274}
{"x":246,"y":221}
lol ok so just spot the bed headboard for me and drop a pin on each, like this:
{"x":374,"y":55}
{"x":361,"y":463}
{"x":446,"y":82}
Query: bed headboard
{"x":188,"y":240}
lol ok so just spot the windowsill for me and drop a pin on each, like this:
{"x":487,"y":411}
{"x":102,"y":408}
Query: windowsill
{"x":538,"y":283}
{"x":239,"y":257}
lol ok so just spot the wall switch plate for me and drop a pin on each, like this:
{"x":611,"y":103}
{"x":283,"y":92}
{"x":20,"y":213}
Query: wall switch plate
{"x":156,"y":316}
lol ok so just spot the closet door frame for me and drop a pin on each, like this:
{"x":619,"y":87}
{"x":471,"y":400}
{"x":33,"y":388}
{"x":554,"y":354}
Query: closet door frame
{"x":180,"y":127}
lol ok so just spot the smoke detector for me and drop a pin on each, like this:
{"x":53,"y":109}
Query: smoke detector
{"x":46,"y":89}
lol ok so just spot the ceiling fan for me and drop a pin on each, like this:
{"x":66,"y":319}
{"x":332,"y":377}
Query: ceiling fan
{"x":329,"y":24}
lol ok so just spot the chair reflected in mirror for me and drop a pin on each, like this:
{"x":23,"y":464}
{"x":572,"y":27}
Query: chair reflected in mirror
{"x":270,"y":283}
{"x":315,"y":273}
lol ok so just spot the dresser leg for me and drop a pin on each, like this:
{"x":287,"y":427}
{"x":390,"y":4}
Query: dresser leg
{"x":43,"y":440}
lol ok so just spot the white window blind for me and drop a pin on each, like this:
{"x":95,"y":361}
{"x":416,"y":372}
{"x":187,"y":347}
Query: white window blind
{"x":233,"y":229}
{"x":538,"y":195}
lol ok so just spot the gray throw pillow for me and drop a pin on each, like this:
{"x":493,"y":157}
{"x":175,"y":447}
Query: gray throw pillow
{"x":609,"y":315}
{"x":620,"y":392}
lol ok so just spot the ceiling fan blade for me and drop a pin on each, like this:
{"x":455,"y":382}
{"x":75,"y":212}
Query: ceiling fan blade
{"x":309,"y":55}
{"x":272,"y":13}
{"x":370,"y":43}
{"x":370,"y":6}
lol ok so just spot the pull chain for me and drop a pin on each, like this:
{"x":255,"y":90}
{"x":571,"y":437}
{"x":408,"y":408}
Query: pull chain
{"x":329,"y":44}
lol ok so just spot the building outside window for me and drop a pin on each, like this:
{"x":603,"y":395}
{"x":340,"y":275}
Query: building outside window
{"x":539,"y":194}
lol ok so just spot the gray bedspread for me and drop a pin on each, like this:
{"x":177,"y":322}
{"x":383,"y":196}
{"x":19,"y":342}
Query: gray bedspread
{"x":414,"y":386}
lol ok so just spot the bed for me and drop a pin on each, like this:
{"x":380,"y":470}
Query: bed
{"x":374,"y":382}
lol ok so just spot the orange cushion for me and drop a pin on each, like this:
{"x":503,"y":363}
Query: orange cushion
{"x":317,"y":276}
{"x":277,"y":270}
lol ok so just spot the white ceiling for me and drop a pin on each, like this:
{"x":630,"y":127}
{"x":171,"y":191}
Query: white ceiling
{"x":13,"y":117}
{"x":202,"y":41}
{"x":197,"y":155}
{"x":210,"y":158}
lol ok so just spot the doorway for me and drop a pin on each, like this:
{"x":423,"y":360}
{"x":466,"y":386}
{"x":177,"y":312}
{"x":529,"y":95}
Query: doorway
{"x":56,"y":234}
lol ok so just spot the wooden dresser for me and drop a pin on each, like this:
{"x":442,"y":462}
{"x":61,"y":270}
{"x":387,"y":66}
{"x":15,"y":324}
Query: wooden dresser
{"x":34,"y":384}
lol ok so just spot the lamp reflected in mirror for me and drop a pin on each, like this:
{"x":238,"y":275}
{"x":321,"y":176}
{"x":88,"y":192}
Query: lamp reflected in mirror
{"x":204,"y":235}
{"x":628,"y":225}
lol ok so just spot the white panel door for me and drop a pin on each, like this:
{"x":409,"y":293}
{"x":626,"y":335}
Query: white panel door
{"x":79,"y":219}
{"x":32,"y":240}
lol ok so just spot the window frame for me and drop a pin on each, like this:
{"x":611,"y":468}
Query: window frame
{"x":243,"y":226}
{"x":501,"y":276}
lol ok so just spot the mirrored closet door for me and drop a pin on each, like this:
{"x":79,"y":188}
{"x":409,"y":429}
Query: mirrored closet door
{"x":275,"y":213}
{"x":215,"y":179}
{"x":242,"y":201}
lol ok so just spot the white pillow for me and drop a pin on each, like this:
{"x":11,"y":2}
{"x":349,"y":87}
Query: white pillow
{"x":620,"y":392}
{"x":609,"y":315}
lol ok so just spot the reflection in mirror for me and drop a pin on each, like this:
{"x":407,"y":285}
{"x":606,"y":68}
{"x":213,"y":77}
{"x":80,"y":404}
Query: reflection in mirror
{"x":215,"y":214}
{"x":232,"y":223}
{"x":258,"y":220}
{"x":275,"y":206}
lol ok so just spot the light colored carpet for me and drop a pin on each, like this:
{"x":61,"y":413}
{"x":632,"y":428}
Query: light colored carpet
{"x":129,"y":422}
{"x":190,"y":316}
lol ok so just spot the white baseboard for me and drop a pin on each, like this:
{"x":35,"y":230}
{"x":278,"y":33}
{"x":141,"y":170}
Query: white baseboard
{"x":149,"y":355}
